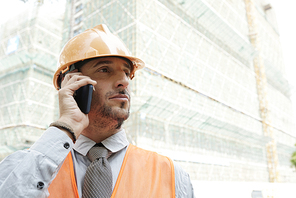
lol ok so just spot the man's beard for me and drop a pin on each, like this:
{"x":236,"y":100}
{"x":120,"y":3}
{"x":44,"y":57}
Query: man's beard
{"x":106,"y":112}
{"x":109,"y":115}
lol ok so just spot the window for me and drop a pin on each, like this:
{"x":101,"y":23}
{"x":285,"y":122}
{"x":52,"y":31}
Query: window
{"x":78,"y":31}
{"x":78,"y":8}
{"x":78,"y":19}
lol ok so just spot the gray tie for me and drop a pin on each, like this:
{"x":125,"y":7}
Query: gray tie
{"x":98,"y":177}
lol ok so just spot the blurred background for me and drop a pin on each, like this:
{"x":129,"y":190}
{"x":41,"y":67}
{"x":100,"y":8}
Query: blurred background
{"x":216,"y":94}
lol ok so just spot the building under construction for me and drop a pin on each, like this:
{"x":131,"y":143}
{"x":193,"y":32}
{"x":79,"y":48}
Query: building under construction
{"x":213,"y":95}
{"x":29,"y":48}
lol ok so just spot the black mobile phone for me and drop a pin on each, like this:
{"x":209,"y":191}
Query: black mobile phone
{"x":83,"y":97}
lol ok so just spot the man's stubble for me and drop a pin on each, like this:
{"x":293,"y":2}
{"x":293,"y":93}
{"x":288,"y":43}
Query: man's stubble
{"x":104,"y":116}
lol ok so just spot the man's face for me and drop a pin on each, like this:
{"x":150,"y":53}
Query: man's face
{"x":111,"y":98}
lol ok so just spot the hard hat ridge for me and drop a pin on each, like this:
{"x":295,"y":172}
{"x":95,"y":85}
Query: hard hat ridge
{"x":101,"y":27}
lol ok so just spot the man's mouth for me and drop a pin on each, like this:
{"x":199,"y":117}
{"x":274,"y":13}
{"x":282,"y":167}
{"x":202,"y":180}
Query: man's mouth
{"x":120,"y":96}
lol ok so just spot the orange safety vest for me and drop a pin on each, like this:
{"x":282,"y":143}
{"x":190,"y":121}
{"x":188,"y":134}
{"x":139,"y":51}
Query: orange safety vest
{"x":142,"y":174}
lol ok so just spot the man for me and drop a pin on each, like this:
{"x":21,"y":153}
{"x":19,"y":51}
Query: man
{"x":63,"y":162}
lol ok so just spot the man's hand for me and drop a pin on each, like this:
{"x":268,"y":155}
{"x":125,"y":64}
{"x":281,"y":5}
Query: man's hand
{"x":69,"y":111}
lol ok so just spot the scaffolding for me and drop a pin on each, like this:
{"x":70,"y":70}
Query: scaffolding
{"x":198,"y":92}
{"x":29,"y":48}
{"x":197,"y":100}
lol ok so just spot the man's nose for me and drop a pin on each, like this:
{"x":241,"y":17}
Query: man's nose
{"x":122,"y":80}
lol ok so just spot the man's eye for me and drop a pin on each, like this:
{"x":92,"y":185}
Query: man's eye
{"x":104,"y":70}
{"x":127,"y":74}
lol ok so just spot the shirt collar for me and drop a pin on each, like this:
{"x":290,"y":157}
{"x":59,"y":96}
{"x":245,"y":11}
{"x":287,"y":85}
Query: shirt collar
{"x":114,"y":143}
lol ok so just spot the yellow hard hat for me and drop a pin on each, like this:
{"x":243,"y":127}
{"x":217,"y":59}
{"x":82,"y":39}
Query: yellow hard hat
{"x":92,"y":43}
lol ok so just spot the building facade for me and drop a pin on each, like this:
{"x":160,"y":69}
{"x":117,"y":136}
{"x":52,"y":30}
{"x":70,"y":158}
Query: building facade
{"x":30,"y":44}
{"x":213,"y":95}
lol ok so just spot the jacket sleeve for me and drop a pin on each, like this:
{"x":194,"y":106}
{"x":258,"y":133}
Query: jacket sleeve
{"x":28,"y":173}
{"x":183,"y":185}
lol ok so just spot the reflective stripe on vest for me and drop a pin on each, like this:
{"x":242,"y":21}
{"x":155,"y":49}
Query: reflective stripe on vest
{"x":142,"y":174}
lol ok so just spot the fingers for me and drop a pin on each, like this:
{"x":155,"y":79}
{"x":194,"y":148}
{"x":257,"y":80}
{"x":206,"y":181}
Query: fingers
{"x":75,"y":80}
{"x":69,"y":76}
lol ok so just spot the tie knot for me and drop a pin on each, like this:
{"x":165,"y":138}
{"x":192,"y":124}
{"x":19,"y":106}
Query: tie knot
{"x":96,"y":152}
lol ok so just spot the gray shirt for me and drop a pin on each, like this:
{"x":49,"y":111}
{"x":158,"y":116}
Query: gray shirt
{"x":28,"y":173}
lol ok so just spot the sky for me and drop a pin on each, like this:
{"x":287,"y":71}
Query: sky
{"x":287,"y":30}
{"x":284,"y":12}
{"x":10,"y":8}
{"x":286,"y":15}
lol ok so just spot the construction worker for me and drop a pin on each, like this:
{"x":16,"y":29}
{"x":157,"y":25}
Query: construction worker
{"x":88,"y":154}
